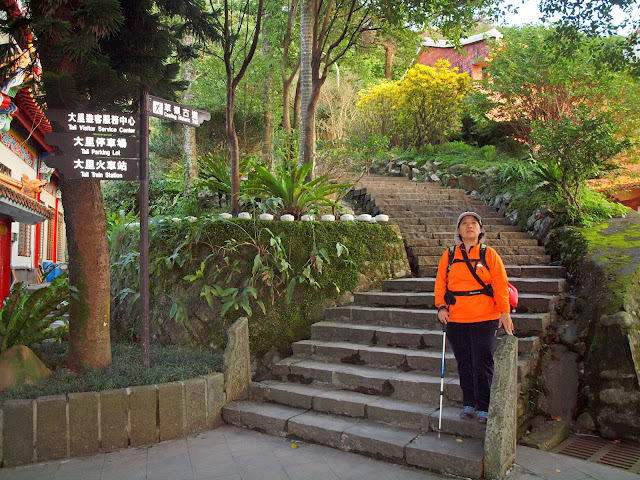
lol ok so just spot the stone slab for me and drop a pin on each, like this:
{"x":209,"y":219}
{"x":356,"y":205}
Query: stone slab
{"x":84,"y":435}
{"x":293,"y":394}
{"x":447,"y":454}
{"x":264,"y":417}
{"x":547,"y":436}
{"x":378,"y":440}
{"x":18,"y":440}
{"x":143,"y":414}
{"x":398,"y":412}
{"x":51,"y":428}
{"x":114,"y":419}
{"x":340,"y":402}
{"x":171,"y":414}
{"x":216,"y":399}
{"x":320,"y":428}
{"x":195,"y":401}
{"x":237,"y":363}
{"x":452,"y":424}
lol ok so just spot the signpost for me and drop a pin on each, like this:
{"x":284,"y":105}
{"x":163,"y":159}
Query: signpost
{"x":95,"y":145}
{"x":115,"y":146}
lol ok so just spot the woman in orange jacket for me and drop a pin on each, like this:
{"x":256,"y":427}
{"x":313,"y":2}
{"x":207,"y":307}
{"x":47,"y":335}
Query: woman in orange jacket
{"x":472,"y":314}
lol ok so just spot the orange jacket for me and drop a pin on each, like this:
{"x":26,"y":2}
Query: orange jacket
{"x":475,"y":308}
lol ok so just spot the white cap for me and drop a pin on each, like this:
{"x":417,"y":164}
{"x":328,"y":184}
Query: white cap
{"x":456,"y":236}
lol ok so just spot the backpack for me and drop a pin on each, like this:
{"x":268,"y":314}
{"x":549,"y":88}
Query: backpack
{"x":486,"y":289}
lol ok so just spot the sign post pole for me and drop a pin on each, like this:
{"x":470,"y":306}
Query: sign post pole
{"x":144,"y":230}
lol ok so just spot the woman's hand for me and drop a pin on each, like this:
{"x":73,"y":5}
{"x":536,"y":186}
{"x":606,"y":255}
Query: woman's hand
{"x":443,"y":315}
{"x":506,"y":322}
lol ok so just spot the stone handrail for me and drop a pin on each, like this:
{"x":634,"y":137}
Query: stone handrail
{"x":62,"y":426}
{"x":501,"y":433}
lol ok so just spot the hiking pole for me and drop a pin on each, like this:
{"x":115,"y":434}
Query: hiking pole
{"x":444,"y":337}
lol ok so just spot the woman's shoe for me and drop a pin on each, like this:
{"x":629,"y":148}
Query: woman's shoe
{"x":468,"y":412}
{"x":482,"y":416}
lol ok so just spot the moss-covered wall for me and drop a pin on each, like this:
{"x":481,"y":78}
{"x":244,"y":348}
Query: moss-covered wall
{"x":191,"y":271}
{"x":609,"y":286}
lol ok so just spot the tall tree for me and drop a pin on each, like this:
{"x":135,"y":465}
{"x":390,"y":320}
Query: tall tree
{"x":329,"y":29}
{"x":96,"y":55}
{"x":240,"y":32}
{"x":189,"y":142}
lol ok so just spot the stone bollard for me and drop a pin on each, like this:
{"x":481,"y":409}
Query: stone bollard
{"x":237,"y":364}
{"x":501,"y":433}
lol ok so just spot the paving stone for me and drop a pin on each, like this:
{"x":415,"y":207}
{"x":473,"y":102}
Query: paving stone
{"x":51,"y":428}
{"x":378,"y":440}
{"x":447,"y":455}
{"x":114,"y":418}
{"x":84,"y":435}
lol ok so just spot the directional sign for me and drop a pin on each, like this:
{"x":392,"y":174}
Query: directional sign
{"x":76,"y":168}
{"x":158,"y":107}
{"x":98,"y":146}
{"x":95,"y":122}
{"x":95,"y":145}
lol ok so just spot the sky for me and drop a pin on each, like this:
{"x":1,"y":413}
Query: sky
{"x":528,"y":13}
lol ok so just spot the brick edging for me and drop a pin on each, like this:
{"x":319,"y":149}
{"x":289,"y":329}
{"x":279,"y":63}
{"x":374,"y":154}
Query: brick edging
{"x":62,"y":426}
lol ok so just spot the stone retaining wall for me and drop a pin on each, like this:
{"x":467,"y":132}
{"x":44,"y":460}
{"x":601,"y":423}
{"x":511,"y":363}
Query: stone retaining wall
{"x":62,"y":426}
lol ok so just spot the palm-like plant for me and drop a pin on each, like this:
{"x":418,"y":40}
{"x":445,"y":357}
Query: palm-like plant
{"x":215,"y":174}
{"x":26,"y":319}
{"x":296,"y":193}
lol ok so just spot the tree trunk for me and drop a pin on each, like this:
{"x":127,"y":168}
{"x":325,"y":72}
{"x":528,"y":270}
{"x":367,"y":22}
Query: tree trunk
{"x":307,"y":114}
{"x":234,"y":149}
{"x":296,"y":106}
{"x":89,"y":310}
{"x":389,"y":53}
{"x":267,"y":90}
{"x":190,"y":148}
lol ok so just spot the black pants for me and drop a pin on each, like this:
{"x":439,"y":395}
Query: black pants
{"x":473,"y":346}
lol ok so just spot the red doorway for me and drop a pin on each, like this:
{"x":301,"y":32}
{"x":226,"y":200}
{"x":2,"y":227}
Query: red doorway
{"x":5,"y":257}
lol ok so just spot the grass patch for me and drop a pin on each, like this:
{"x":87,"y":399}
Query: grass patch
{"x":168,"y":364}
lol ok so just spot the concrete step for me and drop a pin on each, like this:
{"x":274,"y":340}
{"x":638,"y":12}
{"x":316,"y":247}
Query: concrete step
{"x":416,"y":318}
{"x":412,"y":386}
{"x":401,"y":445}
{"x":527,"y":302}
{"x":325,"y":399}
{"x":437,"y":224}
{"x":524,"y":285}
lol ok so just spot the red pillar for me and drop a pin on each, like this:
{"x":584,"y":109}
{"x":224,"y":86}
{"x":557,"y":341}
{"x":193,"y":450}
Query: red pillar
{"x":5,"y":257}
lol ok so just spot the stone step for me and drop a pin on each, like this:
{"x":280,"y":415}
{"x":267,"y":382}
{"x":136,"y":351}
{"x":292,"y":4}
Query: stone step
{"x":525,"y":324}
{"x":406,"y":446}
{"x":502,"y":250}
{"x":521,"y":271}
{"x":417,"y":240}
{"x":401,"y":358}
{"x":378,"y":355}
{"x":449,"y":224}
{"x":527,"y":302}
{"x":433,"y":260}
{"x":324,"y":399}
{"x":413,"y":386}
{"x":524,"y":285}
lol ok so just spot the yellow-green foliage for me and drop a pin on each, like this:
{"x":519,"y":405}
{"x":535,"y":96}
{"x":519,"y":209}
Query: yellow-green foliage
{"x":421,"y":108}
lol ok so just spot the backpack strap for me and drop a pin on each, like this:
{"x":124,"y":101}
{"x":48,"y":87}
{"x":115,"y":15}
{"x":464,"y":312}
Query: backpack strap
{"x":485,"y":290}
{"x":452,"y":252}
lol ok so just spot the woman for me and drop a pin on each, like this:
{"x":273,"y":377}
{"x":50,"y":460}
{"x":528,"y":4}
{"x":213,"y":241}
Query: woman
{"x":473,"y":312}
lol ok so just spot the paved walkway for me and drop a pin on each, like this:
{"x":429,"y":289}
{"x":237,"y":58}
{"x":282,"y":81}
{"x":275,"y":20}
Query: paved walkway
{"x":231,"y":453}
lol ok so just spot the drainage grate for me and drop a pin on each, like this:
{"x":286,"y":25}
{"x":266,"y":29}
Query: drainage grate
{"x":625,"y":456}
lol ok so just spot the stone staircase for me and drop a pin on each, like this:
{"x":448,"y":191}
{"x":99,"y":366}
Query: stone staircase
{"x":368,"y":380}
